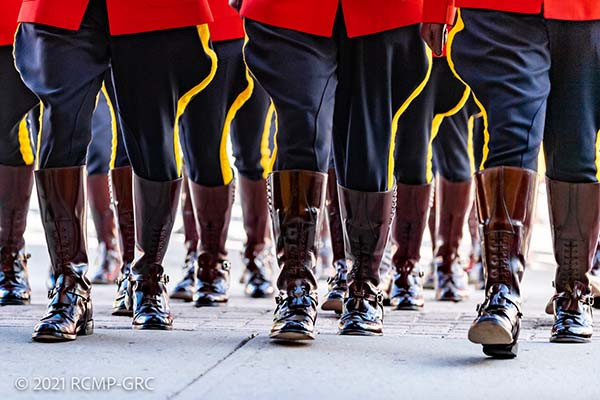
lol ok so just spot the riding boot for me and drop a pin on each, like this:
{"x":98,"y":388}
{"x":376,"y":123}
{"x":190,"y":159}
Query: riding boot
{"x":475,"y":268}
{"x":337,"y":284}
{"x":575,"y":222}
{"x":258,"y":256}
{"x":432,"y":223}
{"x":366,"y":217}
{"x":16,"y":184}
{"x":506,"y":204}
{"x":107,"y":265}
{"x":184,"y":290}
{"x":454,"y":199}
{"x":122,"y":195}
{"x":155,"y":210}
{"x":412,"y":206}
{"x":61,"y":194}
{"x":212,"y":207}
{"x":297,"y":199}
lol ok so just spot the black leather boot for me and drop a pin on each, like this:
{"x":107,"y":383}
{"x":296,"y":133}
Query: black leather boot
{"x":367,"y":217}
{"x":122,"y":195}
{"x":454,"y":200}
{"x":155,"y":209}
{"x":212,"y":207}
{"x":338,"y":283}
{"x":184,"y":290}
{"x":258,"y":256}
{"x":297,"y":199}
{"x":108,"y":263}
{"x":61,"y":193}
{"x":412,"y":206}
{"x":16,"y":184}
{"x":575,"y":222}
{"x":506,"y":205}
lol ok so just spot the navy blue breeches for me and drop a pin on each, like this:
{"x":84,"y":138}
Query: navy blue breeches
{"x":356,"y":88}
{"x":538,"y":81}
{"x":233,"y":105}
{"x":151,"y":72}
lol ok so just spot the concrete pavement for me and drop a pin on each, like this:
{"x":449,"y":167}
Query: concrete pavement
{"x":224,"y":352}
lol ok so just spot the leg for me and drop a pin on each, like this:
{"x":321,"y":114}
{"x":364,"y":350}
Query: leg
{"x":151,"y":137}
{"x":98,"y":162}
{"x":297,"y":187}
{"x":511,"y":83}
{"x":65,"y":70}
{"x":16,"y":178}
{"x":571,"y":147}
{"x":252,"y":127}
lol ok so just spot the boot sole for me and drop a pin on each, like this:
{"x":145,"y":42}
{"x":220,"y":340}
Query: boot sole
{"x":332,"y":305}
{"x":357,"y":332}
{"x":408,"y":308}
{"x":490,"y":333}
{"x":569,"y":339}
{"x":123,"y":313}
{"x":152,"y":327}
{"x":210,"y":304}
{"x":292,"y":335}
{"x":501,"y":351}
{"x":14,"y":302}
{"x":183,"y":297}
{"x":50,"y":337}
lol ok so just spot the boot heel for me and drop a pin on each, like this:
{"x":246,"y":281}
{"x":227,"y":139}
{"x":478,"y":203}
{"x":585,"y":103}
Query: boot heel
{"x":501,"y":351}
{"x":87,"y":329}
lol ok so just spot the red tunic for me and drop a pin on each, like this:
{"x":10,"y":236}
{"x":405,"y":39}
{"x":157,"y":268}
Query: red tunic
{"x":8,"y":21}
{"x":124,"y":16}
{"x":317,"y":17}
{"x":227,"y":24}
{"x":442,"y":11}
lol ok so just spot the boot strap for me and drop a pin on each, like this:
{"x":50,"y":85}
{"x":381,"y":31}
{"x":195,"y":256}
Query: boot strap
{"x":152,"y":278}
{"x":77,"y":292}
{"x":486,"y":305}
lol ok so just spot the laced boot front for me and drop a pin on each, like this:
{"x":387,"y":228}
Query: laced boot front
{"x":506,"y":203}
{"x":297,"y":200}
{"x":367,"y":217}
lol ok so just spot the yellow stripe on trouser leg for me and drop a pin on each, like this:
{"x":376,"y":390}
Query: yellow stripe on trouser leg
{"x":113,"y":126}
{"x":401,"y":110}
{"x":240,"y":100}
{"x":265,"y":150}
{"x":470,"y":150}
{"x":435,"y":129}
{"x":459,"y":26}
{"x":25,"y":142}
{"x":598,"y":156}
{"x":39,"y":135}
{"x":186,"y":98}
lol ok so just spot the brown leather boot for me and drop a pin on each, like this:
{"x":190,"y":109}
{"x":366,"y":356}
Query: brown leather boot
{"x":337,"y":284}
{"x":575,"y":222}
{"x":412,"y":206}
{"x":212,"y":206}
{"x":475,"y":268}
{"x":454,"y":199}
{"x":184,"y":290}
{"x":258,"y":256}
{"x":61,"y":193}
{"x":122,"y":195}
{"x":367,"y":217}
{"x":16,"y":184}
{"x":506,"y":204}
{"x":108,"y":264}
{"x":155,"y":210}
{"x":432,"y":223}
{"x":297,"y":199}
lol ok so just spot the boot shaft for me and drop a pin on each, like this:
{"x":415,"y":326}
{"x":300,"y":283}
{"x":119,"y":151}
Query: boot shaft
{"x":61,"y":194}
{"x":102,"y":214}
{"x":122,"y":195}
{"x":412,"y":208}
{"x":255,"y":211}
{"x":336,"y":231}
{"x":506,"y":198}
{"x":16,"y":183}
{"x":575,"y":222}
{"x":190,"y":230}
{"x":212,"y":207}
{"x":297,"y":199}
{"x":366,"y":218}
{"x":454,"y":200}
{"x":155,"y":210}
